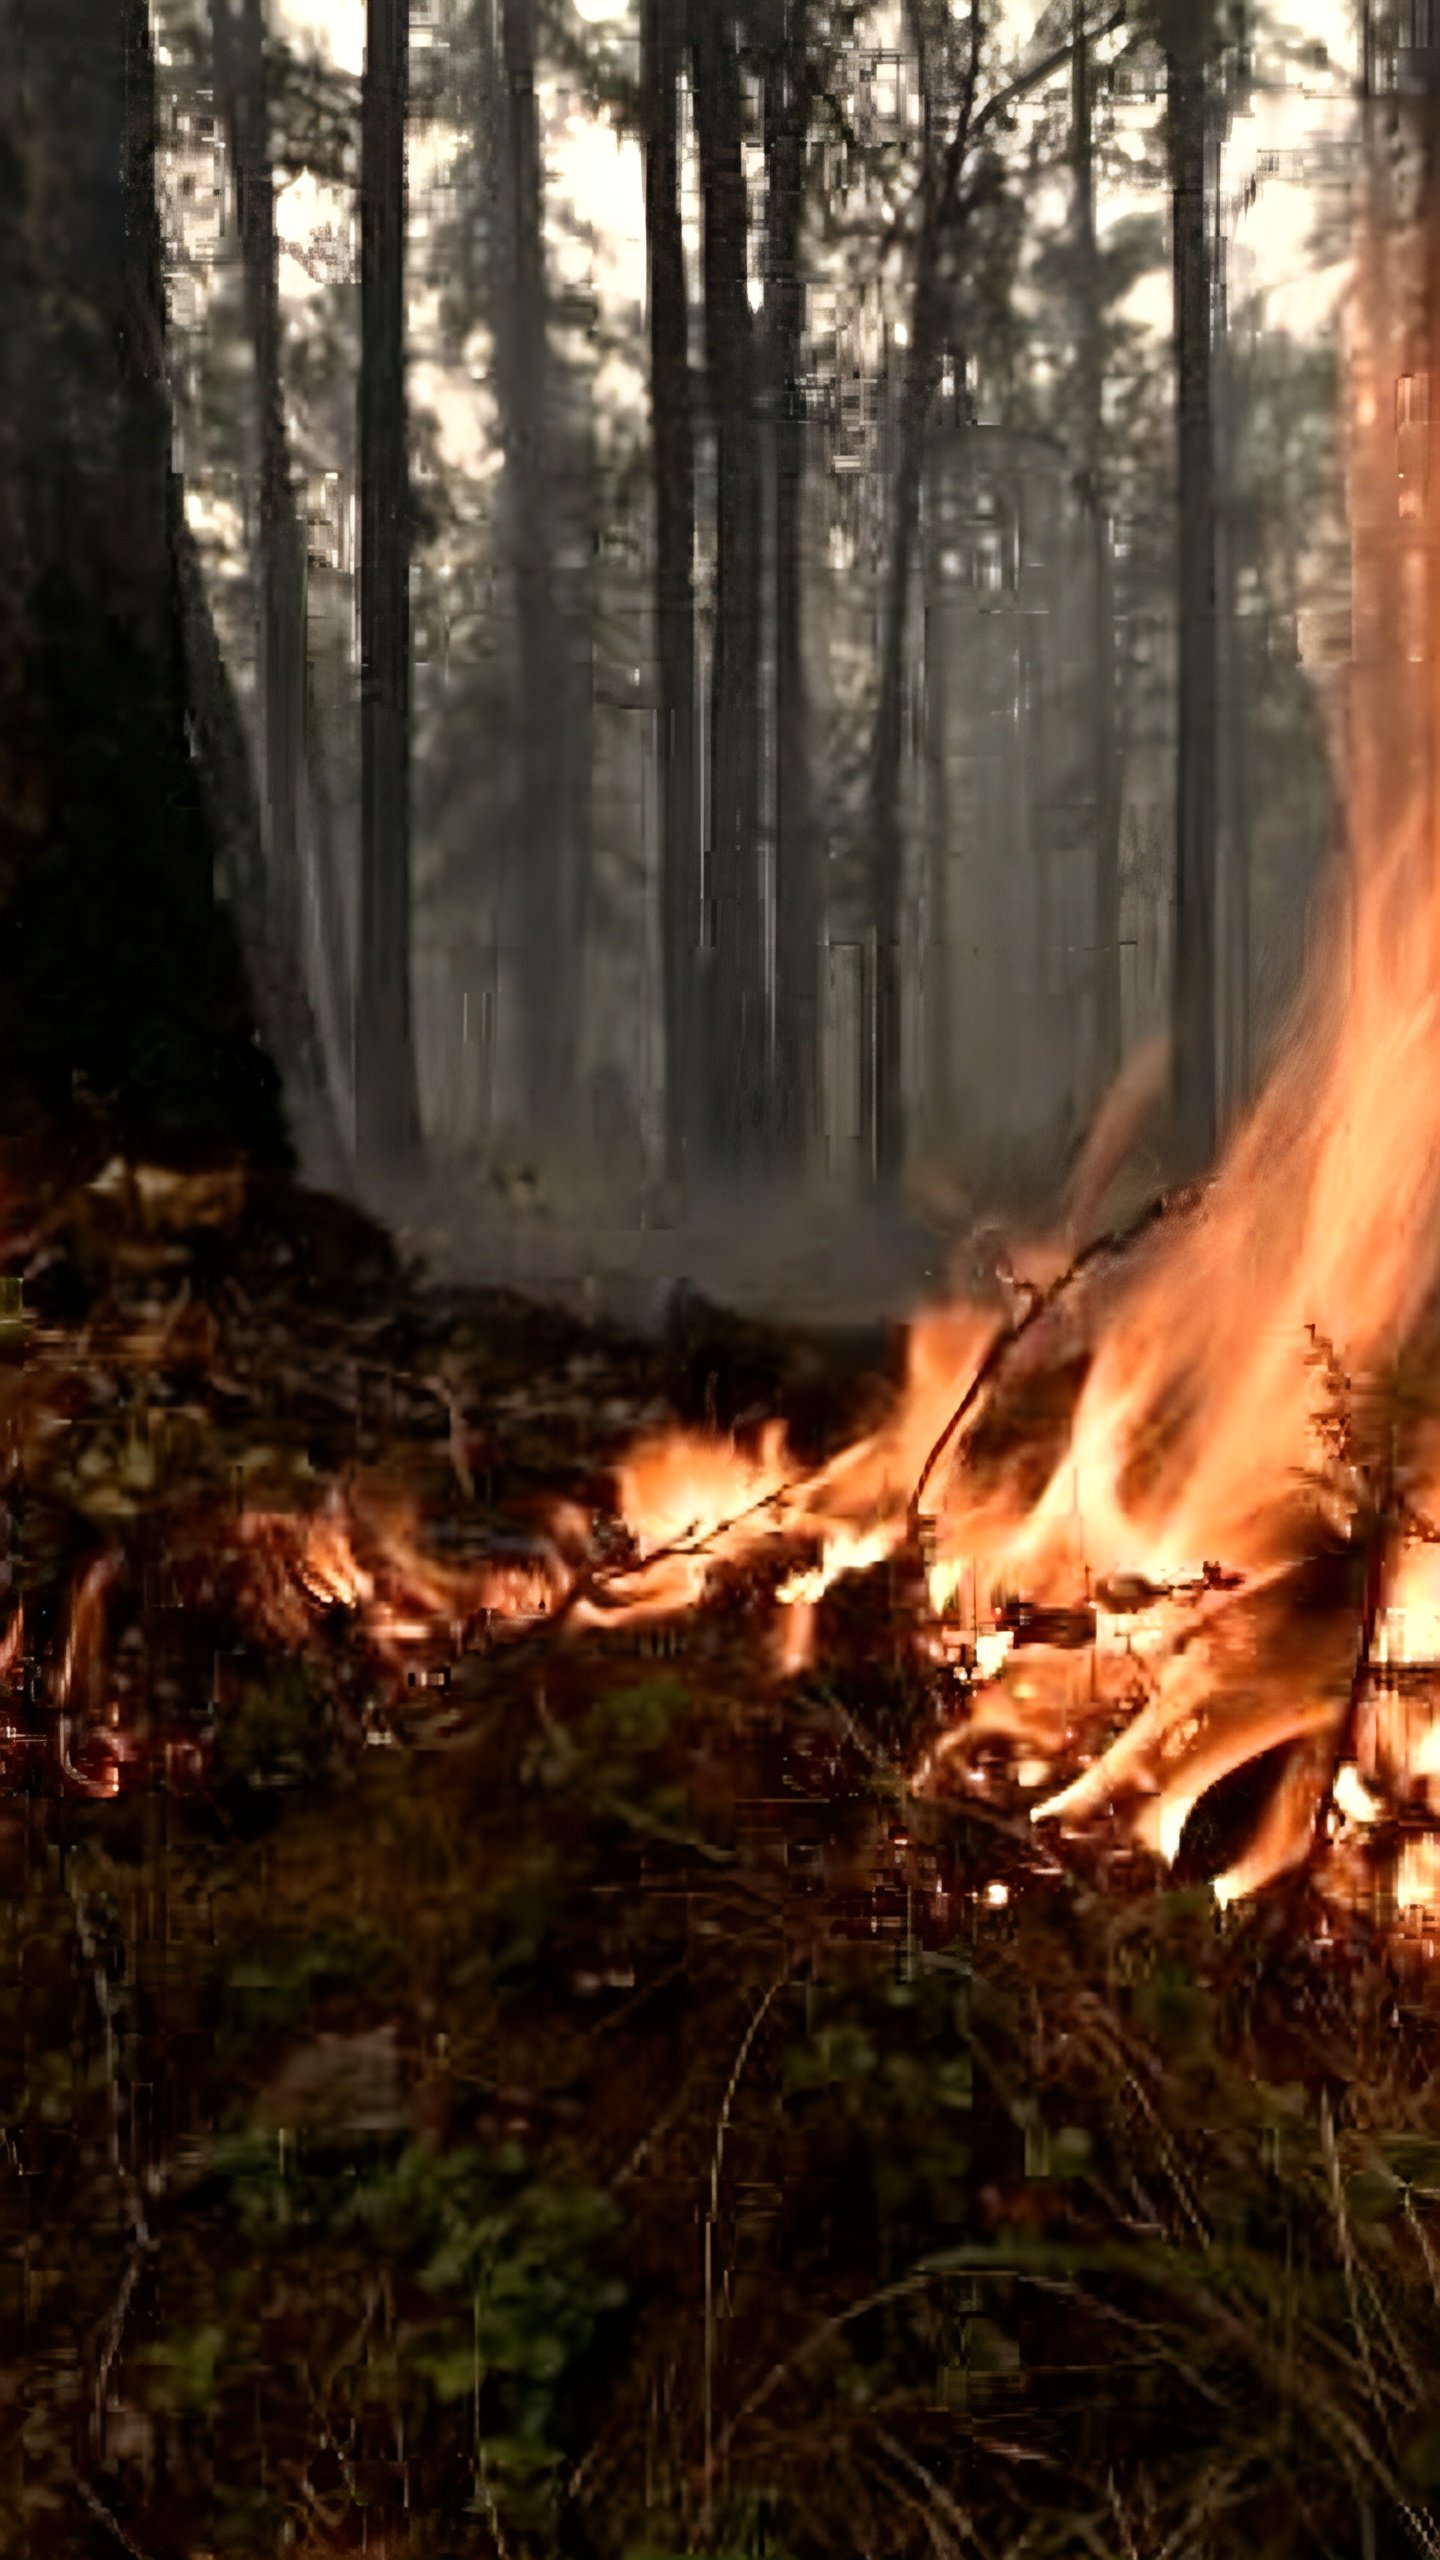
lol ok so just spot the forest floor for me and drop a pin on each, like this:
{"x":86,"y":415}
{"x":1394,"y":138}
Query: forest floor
{"x":590,"y":2107}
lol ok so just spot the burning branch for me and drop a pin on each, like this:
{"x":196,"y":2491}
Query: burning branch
{"x":1040,"y":1303}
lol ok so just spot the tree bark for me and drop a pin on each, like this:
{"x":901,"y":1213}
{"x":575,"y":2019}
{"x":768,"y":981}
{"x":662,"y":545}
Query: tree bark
{"x":736,"y":1057}
{"x":240,"y":72}
{"x":386,"y":1102}
{"x":276,"y":938}
{"x":798,"y":887}
{"x":673,"y":456}
{"x":882,"y":1071}
{"x":1090,"y":401}
{"x":882,"y":1082}
{"x":1193,"y":976}
{"x":1234,"y":729}
{"x":520,"y":317}
{"x":123,"y":1004}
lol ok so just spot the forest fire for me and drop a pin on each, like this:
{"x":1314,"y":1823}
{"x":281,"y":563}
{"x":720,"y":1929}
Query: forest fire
{"x":1163,"y":1532}
{"x":1167,"y":1520}
{"x":1215,"y":1546}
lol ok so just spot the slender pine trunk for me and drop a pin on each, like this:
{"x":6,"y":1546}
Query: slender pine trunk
{"x":240,"y":71}
{"x":520,"y":308}
{"x":882,"y":1094}
{"x":1234,"y":741}
{"x":1193,"y":974}
{"x":283,"y":653}
{"x":798,"y":886}
{"x":1105,"y":775}
{"x":386,"y":1100}
{"x":736,"y":1059}
{"x":673,"y":460}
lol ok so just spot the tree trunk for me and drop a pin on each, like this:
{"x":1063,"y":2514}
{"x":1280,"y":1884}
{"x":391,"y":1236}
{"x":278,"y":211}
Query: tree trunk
{"x":736,"y":1057}
{"x":942,"y":700}
{"x":232,"y":808}
{"x":520,"y":318}
{"x":387,"y":1112}
{"x":324,"y":956}
{"x":1234,"y":730}
{"x":1193,"y":978}
{"x":122,"y":994}
{"x":798,"y":886}
{"x":577,"y":519}
{"x":240,"y":72}
{"x":221,"y":752}
{"x":277,"y":948}
{"x":1104,"y":740}
{"x":883,"y":1097}
{"x":673,"y":453}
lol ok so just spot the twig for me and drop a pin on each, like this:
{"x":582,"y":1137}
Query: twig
{"x":688,"y":1544}
{"x":1427,"y":2245}
{"x":91,"y":2498}
{"x":1347,"y":2257}
{"x":1109,"y":2032}
{"x":1377,"y":1557}
{"x":114,"y":2332}
{"x":1041,"y":1301}
{"x":459,"y":1460}
{"x":1117,"y":2507}
{"x":935,"y":2490}
{"x":711,"y":2219}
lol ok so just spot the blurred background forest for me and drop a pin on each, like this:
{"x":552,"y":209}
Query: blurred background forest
{"x":877,"y":558}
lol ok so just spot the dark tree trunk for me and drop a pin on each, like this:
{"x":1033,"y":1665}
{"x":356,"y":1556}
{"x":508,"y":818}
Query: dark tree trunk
{"x":1090,"y":399}
{"x":333,"y":975}
{"x":120,"y":976}
{"x":542,"y":888}
{"x":883,"y":1095}
{"x":673,"y":453}
{"x":798,"y":887}
{"x":577,"y":522}
{"x":222,"y":753}
{"x":240,"y":73}
{"x":277,"y":947}
{"x":1386,"y":749}
{"x":1234,"y":721}
{"x":1193,"y":999}
{"x":736,"y":1056}
{"x":386,"y":1105}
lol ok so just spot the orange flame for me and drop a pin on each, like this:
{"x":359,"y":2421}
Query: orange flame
{"x":363,"y":1558}
{"x":1196,"y":1427}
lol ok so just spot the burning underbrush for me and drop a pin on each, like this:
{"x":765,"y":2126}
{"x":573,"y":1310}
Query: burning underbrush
{"x":1237,"y":1705}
